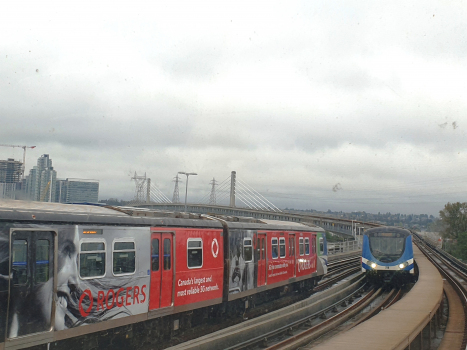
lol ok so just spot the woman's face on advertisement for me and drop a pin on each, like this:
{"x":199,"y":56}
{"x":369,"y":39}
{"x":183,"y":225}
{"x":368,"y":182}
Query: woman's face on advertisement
{"x":67,"y":278}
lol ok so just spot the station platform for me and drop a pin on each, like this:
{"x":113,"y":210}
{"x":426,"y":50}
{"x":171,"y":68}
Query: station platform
{"x":397,"y":326}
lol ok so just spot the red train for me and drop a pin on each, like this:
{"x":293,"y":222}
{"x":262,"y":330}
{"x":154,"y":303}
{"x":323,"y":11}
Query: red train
{"x":75,"y":276}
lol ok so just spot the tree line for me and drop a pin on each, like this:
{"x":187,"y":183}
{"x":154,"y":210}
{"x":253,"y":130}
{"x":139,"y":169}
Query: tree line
{"x":453,"y":226}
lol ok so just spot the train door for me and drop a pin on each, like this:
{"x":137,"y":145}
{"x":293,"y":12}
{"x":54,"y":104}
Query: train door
{"x":261,"y":249}
{"x":313,"y":245}
{"x":162,"y":270}
{"x":292,"y":252}
{"x":31,"y":290}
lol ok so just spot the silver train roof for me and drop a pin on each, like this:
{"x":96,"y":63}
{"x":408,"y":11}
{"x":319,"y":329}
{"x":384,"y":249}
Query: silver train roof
{"x":35,"y":212}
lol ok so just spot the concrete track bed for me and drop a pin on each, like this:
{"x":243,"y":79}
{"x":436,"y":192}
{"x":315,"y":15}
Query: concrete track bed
{"x":256,"y":327}
{"x":397,"y":326}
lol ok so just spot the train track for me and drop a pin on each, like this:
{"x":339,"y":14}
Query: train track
{"x":339,"y":269}
{"x":314,"y":325}
{"x":346,"y":298}
{"x":454,"y":273}
{"x":305,"y":338}
{"x":343,"y":264}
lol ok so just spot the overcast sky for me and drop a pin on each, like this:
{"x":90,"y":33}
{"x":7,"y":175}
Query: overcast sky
{"x":341,"y":105}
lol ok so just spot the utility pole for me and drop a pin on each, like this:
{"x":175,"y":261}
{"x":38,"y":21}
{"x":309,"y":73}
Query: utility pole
{"x":212,"y":198}
{"x":176,"y":195}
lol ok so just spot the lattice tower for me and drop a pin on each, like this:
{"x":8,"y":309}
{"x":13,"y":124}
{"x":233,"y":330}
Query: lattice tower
{"x":141,"y":188}
{"x":212,"y":198}
{"x":176,"y":195}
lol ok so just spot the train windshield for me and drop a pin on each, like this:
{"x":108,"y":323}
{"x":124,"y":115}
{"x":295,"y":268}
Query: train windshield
{"x":387,"y":246}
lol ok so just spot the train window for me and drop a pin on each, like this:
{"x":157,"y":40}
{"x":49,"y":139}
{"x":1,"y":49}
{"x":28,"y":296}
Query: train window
{"x":275,"y":248}
{"x":20,"y":261}
{"x":124,"y":258}
{"x":155,"y":254}
{"x":301,"y":246}
{"x":167,"y":254}
{"x":42,"y":261}
{"x":195,"y":253}
{"x":92,"y":259}
{"x":313,"y":245}
{"x":307,"y":246}
{"x":282,"y":247}
{"x":321,"y":245}
{"x":247,"y":250}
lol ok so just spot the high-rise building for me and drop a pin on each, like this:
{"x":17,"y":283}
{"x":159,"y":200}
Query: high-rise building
{"x":8,"y":190}
{"x":42,"y":185}
{"x":10,"y":171}
{"x":77,"y":191}
{"x":41,"y":182}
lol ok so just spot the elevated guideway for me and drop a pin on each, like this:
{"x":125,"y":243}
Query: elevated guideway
{"x":398,"y":326}
{"x":332,"y":224}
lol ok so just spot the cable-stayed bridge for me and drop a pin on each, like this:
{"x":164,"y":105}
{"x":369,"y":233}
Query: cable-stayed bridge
{"x":232,"y":191}
{"x":223,"y":201}
{"x":146,"y":192}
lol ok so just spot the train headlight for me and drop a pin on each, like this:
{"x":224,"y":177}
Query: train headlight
{"x":373,"y":265}
{"x":401,"y":266}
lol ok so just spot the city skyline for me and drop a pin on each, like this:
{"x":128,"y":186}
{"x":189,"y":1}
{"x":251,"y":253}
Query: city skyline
{"x":208,"y":194}
{"x":344,"y":106}
{"x":42,"y":184}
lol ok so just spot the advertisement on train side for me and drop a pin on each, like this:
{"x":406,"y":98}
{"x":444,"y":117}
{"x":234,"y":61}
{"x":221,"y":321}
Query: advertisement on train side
{"x":242,"y":275}
{"x":102,"y":274}
{"x":200,"y":266}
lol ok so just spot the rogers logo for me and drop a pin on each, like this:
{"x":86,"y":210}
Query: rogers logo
{"x":214,"y":248}
{"x":122,"y":297}
{"x":304,"y":264}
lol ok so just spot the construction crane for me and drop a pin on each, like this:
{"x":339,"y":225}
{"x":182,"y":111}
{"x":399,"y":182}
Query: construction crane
{"x":45,"y":192}
{"x":24,"y":156}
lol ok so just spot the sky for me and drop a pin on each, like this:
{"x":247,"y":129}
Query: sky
{"x":342,"y":105}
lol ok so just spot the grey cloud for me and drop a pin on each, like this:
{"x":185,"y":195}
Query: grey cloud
{"x":193,"y":62}
{"x":105,"y":118}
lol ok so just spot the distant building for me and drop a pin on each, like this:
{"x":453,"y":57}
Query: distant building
{"x":8,"y":190}
{"x":10,"y":171}
{"x":41,"y":182}
{"x":76,"y":191}
{"x":10,"y":177}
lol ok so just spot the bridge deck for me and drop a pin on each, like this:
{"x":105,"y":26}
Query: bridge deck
{"x":397,"y":326}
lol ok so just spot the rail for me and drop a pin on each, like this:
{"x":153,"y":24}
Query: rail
{"x":411,"y":318}
{"x":343,"y":247}
{"x":455,"y":277}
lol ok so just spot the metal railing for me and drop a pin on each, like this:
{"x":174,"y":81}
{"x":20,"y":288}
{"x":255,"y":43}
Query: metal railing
{"x":343,"y":247}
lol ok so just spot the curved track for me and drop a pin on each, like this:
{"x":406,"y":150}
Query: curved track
{"x":398,"y":326}
{"x":456,"y":275}
{"x":255,"y":331}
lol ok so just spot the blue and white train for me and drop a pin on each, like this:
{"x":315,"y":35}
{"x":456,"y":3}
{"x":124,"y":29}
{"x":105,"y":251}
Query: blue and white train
{"x":387,"y":251}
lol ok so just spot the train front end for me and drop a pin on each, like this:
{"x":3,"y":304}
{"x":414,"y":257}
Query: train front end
{"x":387,"y":254}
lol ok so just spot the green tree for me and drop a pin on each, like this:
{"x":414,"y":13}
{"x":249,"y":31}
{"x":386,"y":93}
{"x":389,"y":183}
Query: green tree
{"x":459,"y":250}
{"x":436,"y":226}
{"x":454,"y":216}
